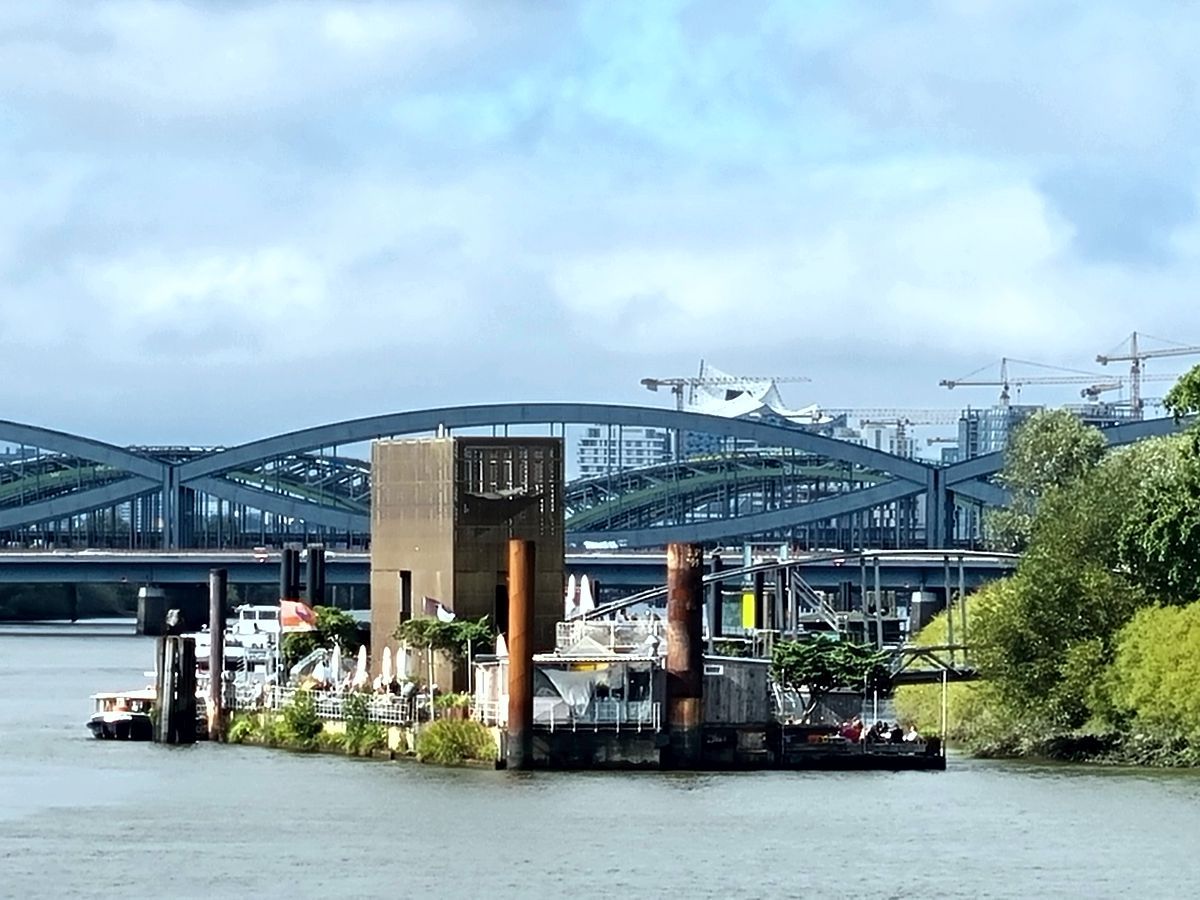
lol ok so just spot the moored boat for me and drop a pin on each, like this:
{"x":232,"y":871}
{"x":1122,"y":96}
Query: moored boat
{"x":123,"y":715}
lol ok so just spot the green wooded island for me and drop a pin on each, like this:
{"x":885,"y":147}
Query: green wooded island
{"x":1091,"y":649}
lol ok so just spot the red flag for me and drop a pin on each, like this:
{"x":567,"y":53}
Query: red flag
{"x":296,"y":616}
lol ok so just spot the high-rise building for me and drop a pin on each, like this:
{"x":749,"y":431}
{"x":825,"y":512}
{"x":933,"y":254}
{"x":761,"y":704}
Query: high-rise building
{"x":982,"y":431}
{"x":602,"y":450}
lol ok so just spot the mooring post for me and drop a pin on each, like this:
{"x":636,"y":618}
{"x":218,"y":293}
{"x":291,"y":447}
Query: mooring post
{"x":218,"y":586}
{"x":685,"y":659}
{"x":716,"y":599}
{"x":519,"y":753}
{"x":184,"y":726}
{"x":760,"y":589}
{"x":166,"y":689}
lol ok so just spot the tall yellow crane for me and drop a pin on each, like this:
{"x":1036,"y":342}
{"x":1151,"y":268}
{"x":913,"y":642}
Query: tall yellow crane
{"x":1130,"y":352}
{"x":677,"y":385}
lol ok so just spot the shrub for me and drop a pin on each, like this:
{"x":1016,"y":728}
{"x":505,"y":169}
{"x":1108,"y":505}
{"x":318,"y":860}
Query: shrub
{"x":331,"y":741}
{"x":1157,"y":668}
{"x":362,"y":735}
{"x":241,"y":728}
{"x":452,"y":701}
{"x":298,"y":722}
{"x":451,"y":742}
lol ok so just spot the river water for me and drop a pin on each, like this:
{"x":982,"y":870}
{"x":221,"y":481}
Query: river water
{"x":80,"y":817}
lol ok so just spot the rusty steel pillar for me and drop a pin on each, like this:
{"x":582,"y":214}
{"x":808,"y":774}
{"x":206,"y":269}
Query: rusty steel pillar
{"x":685,"y":659}
{"x":519,"y":753}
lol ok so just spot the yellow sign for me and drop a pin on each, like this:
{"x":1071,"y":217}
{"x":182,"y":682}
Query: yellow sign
{"x":748,"y":611}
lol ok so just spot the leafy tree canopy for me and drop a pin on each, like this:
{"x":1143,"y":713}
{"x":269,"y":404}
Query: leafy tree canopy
{"x":821,"y":664}
{"x":333,"y":626}
{"x":1184,"y":397}
{"x":1049,"y":451}
{"x":1159,"y":536}
{"x":1157,"y":668}
{"x":454,"y":637}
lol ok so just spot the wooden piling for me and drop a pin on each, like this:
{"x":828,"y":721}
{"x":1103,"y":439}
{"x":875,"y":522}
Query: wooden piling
{"x":760,"y":584}
{"x":185,"y":723}
{"x":166,"y":667}
{"x":176,"y":690}
{"x":685,"y":659}
{"x":519,"y":749}
{"x":218,"y":587}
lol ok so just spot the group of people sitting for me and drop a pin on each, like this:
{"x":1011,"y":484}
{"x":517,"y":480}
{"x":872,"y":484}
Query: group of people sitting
{"x":881,"y":732}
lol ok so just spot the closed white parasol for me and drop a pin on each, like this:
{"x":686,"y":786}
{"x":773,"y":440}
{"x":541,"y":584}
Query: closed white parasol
{"x":361,"y":678}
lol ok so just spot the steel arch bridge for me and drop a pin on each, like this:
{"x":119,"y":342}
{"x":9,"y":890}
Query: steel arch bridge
{"x":71,"y":490}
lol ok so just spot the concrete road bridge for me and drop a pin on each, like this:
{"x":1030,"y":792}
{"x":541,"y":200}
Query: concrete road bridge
{"x":766,"y":483}
{"x":825,"y":590}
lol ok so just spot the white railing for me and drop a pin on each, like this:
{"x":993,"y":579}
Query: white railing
{"x":615,"y":635}
{"x":386,"y":709}
{"x":490,"y":712}
{"x":602,"y":715}
{"x":636,"y":715}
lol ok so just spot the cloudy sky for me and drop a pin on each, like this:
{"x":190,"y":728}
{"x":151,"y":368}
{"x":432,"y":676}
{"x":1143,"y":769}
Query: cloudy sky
{"x":220,"y":219}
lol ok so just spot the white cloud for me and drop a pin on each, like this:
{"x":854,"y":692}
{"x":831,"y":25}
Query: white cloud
{"x":473,"y":192}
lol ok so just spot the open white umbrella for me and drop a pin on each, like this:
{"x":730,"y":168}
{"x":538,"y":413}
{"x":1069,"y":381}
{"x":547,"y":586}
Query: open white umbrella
{"x":361,"y":678}
{"x":501,"y":646}
{"x":386,"y":670}
{"x":586,"y":603}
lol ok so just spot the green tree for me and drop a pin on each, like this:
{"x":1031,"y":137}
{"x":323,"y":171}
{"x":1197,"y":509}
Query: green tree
{"x":1157,"y":668}
{"x":1159,"y":537}
{"x":333,"y":626}
{"x":974,"y":712}
{"x":1048,"y":451}
{"x":1183,"y":399}
{"x":453,"y":637}
{"x":1070,"y":588}
{"x":822,"y":664}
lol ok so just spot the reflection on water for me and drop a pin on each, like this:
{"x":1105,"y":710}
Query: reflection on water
{"x":83,"y":817}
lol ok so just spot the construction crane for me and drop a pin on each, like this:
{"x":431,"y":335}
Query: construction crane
{"x":1093,"y":391}
{"x":1135,"y":356}
{"x":1005,"y":381}
{"x":677,"y":385}
{"x":891,"y":416}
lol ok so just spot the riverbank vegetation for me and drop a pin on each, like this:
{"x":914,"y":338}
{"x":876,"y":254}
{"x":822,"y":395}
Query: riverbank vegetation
{"x":1091,"y":649}
{"x":454,"y":742}
{"x":449,"y":742}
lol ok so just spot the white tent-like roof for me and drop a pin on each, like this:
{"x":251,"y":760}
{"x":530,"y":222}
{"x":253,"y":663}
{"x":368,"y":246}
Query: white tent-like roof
{"x":738,"y":398}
